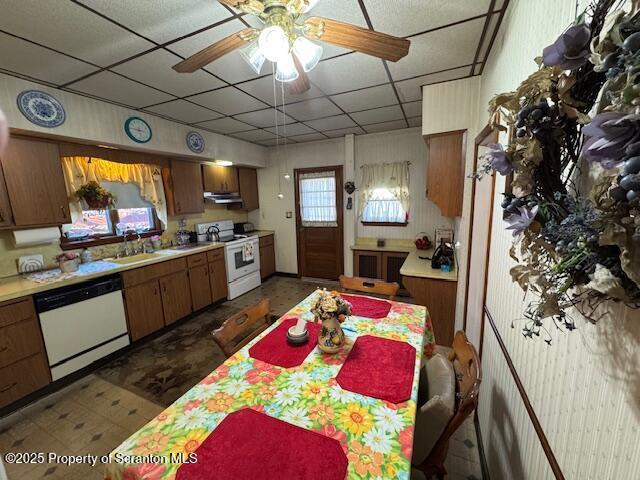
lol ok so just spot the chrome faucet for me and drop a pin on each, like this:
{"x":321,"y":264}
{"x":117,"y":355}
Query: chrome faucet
{"x":126,"y":252}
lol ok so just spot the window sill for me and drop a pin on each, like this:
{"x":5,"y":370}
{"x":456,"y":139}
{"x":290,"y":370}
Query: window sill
{"x":385,"y":224}
{"x":103,"y":240}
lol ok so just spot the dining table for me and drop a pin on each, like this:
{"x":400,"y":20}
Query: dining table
{"x":250,"y":415}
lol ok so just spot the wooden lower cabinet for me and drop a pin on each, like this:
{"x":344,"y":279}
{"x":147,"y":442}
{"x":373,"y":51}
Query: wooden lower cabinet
{"x":439,"y":296}
{"x":144,"y":309}
{"x":176,"y":296}
{"x":381,"y":265}
{"x":267,"y":257}
{"x":200,"y":287}
{"x":218,"y":279}
{"x":22,"y":378}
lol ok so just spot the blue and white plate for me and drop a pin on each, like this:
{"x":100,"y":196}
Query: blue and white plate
{"x":195,"y":142}
{"x":41,"y":108}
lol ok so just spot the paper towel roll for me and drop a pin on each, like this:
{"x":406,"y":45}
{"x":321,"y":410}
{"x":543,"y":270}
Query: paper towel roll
{"x":36,"y":236}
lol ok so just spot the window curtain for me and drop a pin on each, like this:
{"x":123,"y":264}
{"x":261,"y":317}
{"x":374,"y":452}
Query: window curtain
{"x":318,"y":199}
{"x":147,"y":177}
{"x":392,"y":176}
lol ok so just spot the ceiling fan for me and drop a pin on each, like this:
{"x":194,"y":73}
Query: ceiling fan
{"x":285,"y":40}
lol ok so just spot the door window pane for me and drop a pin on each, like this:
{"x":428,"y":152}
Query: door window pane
{"x":318,"y":201}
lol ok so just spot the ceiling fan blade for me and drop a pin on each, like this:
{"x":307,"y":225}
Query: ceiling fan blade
{"x":356,"y":38}
{"x":302,"y":83}
{"x":215,"y":51}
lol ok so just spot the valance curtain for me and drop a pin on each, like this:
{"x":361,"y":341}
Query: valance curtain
{"x":318,"y":199}
{"x":393,"y":177}
{"x":147,"y":177}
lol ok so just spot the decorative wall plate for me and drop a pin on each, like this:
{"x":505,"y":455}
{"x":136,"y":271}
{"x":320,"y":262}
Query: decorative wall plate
{"x":195,"y":142}
{"x":138,"y":130}
{"x":41,"y":109}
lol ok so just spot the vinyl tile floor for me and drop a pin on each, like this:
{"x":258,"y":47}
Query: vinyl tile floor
{"x":98,"y":412}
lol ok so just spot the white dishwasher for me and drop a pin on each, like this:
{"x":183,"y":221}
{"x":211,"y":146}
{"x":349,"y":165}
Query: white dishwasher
{"x":82,"y":323}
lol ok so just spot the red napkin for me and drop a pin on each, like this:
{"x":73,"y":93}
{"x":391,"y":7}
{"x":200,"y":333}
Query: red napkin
{"x":251,"y":445}
{"x":367,"y":307}
{"x":379,"y":368}
{"x":275,"y":349}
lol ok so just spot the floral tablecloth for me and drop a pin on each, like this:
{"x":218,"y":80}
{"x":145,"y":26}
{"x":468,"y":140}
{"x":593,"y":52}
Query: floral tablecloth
{"x":376,"y":436}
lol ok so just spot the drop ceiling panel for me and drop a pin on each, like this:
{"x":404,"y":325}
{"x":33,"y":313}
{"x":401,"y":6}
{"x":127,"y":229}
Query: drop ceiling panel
{"x":349,"y":72}
{"x":263,"y":89}
{"x":378,"y":115}
{"x":226,"y":125}
{"x":119,"y":89}
{"x":386,"y":126}
{"x":439,"y":50}
{"x":161,"y":20}
{"x":292,"y":129}
{"x":273,"y":142}
{"x":26,"y":58}
{"x":310,"y":137}
{"x":184,"y":111}
{"x":228,"y":100}
{"x":341,"y":132}
{"x":413,"y":109}
{"x":71,"y":29}
{"x":312,"y":109}
{"x":254,"y":135}
{"x":493,"y":23}
{"x":411,"y":90}
{"x":339,"y":121}
{"x":407,"y":17}
{"x":155,"y":69}
{"x":265,"y":118}
{"x":415,"y":121}
{"x":367,"y":98}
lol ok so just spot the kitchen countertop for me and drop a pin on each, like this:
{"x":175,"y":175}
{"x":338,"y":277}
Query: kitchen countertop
{"x":413,"y":266}
{"x":262,"y":233}
{"x":18,"y":286}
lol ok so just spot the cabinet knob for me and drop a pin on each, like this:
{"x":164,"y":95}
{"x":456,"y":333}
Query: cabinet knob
{"x":4,"y":348}
{"x":155,"y":291}
{"x":64,"y":211}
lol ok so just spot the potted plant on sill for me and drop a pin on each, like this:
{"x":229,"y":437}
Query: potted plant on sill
{"x":96,"y":196}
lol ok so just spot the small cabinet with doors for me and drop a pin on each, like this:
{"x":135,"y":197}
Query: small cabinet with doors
{"x":445,"y":171}
{"x":267,"y":256}
{"x":217,"y":274}
{"x":380,"y":265}
{"x":248,"y":189}
{"x":201,"y":296}
{"x":33,"y":191}
{"x":184,"y":193}
{"x":219,"y":179}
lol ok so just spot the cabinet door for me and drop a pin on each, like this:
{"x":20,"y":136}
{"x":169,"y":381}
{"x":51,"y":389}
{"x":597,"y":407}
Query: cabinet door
{"x":176,"y":297}
{"x":144,"y":309}
{"x":445,"y":171}
{"x":248,"y":181}
{"x":219,"y":179}
{"x":188,"y":195}
{"x":35,"y":183}
{"x":6,"y":218}
{"x":267,"y":261}
{"x":200,"y":287}
{"x":391,"y":265}
{"x":367,"y":264}
{"x":22,"y":378}
{"x":218,"y":278}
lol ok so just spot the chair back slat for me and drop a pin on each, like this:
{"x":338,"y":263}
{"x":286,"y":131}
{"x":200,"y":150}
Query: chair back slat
{"x":369,"y":285}
{"x":242,"y":327}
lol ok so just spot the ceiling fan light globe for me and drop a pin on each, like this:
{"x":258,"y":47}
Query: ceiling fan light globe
{"x":274,"y":43}
{"x":253,"y":56}
{"x":308,"y":53}
{"x":286,"y":71}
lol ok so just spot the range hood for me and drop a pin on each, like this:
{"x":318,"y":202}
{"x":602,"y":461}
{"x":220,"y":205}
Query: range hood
{"x":222,"y":198}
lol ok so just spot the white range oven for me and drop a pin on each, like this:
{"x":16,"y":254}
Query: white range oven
{"x":241,"y":253}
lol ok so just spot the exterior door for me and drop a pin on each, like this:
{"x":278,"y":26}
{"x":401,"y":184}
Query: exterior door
{"x":319,"y":222}
{"x":480,"y":236}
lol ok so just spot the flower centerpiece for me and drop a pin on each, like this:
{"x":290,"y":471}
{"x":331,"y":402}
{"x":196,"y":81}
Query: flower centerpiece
{"x":575,"y":158}
{"x":331,"y":309}
{"x":68,"y":262}
{"x":96,"y":196}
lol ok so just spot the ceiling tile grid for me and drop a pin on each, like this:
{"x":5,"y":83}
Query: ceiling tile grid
{"x":123,"y":51}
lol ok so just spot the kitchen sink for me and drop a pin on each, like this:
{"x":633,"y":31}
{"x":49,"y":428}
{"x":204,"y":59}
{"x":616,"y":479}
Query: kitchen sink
{"x":136,"y":258}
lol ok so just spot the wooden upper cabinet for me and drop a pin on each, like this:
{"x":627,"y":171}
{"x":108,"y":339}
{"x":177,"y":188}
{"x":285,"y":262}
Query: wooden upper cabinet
{"x":219,"y":179}
{"x":6,"y":219}
{"x":35,"y":183}
{"x":445,"y":171}
{"x":187,"y":195}
{"x":248,"y":184}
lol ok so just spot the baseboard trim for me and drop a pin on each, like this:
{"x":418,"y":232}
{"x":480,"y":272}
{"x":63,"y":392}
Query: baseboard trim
{"x":483,"y":459}
{"x":546,"y":447}
{"x":285,"y":274}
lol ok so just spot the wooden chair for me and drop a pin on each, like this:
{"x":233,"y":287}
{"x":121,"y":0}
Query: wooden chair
{"x":466,"y":365}
{"x":369,"y":285}
{"x":244,"y":326}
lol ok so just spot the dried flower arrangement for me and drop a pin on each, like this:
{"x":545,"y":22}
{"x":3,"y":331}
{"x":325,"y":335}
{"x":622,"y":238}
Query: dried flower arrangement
{"x":96,"y":195}
{"x":331,"y":305}
{"x":575,"y":206}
